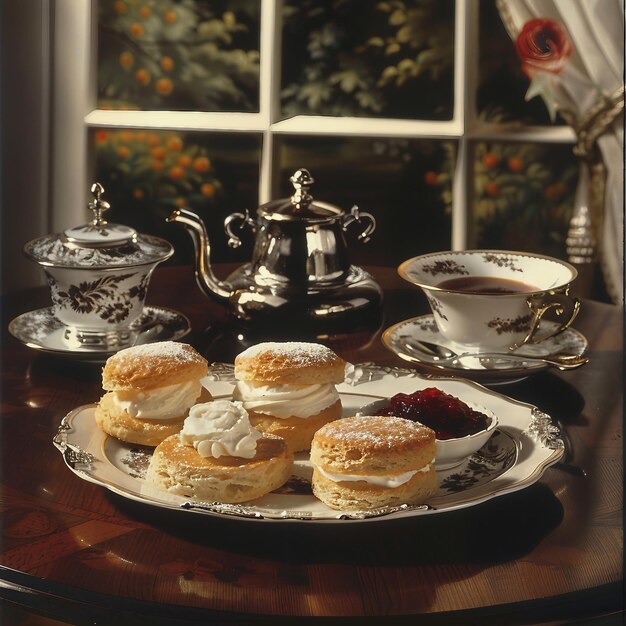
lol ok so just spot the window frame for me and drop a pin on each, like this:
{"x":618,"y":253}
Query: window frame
{"x":75,"y":113}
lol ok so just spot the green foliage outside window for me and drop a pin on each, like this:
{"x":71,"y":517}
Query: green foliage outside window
{"x":524,"y":196}
{"x":184,"y":55}
{"x":381,"y":59}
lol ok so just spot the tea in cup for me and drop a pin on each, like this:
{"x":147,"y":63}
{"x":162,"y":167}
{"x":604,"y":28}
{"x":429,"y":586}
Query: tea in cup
{"x":493,"y":300}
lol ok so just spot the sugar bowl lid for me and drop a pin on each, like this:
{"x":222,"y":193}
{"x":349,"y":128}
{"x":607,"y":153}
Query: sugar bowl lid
{"x":98,"y":243}
{"x":301,"y":205}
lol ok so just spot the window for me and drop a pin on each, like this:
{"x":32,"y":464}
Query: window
{"x":406,"y":110}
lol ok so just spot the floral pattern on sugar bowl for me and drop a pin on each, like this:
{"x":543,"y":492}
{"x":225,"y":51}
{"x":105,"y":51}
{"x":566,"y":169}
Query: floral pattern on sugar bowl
{"x":98,"y":273}
{"x":116,"y":299}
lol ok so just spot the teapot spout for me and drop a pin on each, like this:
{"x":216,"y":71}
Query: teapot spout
{"x":207,"y":281}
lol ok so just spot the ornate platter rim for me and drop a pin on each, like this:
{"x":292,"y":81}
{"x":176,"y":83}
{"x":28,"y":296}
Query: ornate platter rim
{"x":83,"y":448}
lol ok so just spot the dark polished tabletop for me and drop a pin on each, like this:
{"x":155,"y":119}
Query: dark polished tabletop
{"x":550,"y":553}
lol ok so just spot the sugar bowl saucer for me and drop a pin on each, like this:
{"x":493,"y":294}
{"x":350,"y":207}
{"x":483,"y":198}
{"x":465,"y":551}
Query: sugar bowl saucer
{"x":400,"y":339}
{"x":43,"y":331}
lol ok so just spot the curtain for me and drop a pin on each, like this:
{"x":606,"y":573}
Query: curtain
{"x":594,"y":80}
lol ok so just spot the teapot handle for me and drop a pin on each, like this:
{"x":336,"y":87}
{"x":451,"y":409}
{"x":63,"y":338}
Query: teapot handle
{"x":230,"y":222}
{"x":362,"y":218}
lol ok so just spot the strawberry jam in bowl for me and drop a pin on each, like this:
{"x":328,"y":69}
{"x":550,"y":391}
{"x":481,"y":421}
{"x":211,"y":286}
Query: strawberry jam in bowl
{"x":461,"y":428}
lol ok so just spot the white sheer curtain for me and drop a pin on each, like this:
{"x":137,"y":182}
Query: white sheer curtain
{"x":596,"y":29}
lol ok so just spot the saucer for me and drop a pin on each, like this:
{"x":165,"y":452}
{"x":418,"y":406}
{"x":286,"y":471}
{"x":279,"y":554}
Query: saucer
{"x":398,"y":338}
{"x":42,"y":331}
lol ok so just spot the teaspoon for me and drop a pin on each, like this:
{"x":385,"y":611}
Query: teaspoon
{"x":445,"y":356}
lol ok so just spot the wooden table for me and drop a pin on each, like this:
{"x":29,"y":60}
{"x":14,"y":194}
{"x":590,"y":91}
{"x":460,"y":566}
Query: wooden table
{"x":549,"y":553}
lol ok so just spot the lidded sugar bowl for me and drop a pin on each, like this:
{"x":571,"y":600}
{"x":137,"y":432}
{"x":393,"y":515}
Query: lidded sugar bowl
{"x":98,"y":274}
{"x":299,"y":271}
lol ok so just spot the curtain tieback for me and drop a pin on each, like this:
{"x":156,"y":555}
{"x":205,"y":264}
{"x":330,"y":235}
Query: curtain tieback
{"x":596,"y":122}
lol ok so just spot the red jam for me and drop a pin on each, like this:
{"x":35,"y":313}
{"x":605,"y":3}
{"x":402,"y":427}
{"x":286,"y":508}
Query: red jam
{"x":448,"y":416}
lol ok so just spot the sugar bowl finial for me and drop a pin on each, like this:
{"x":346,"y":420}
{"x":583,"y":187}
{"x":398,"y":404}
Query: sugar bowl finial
{"x":98,"y":205}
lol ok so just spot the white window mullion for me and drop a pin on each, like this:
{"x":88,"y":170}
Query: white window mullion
{"x":465,"y":88}
{"x":515,"y":132}
{"x":367,"y":127}
{"x":271,"y":38}
{"x":178,"y":120}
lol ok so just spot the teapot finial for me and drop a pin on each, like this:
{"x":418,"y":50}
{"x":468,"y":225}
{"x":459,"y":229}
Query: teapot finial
{"x":98,"y":205}
{"x":301,"y":181}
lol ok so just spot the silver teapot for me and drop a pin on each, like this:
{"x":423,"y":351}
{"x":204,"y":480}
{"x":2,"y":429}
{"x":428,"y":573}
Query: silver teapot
{"x":299,"y":269}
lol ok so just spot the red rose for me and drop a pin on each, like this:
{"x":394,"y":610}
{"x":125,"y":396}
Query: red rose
{"x":543,"y":45}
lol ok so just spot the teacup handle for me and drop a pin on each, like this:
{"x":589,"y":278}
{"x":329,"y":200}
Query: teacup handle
{"x":564,"y":305}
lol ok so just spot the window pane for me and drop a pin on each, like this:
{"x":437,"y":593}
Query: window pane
{"x":502,"y":84}
{"x":524,"y":196}
{"x":404,"y":184}
{"x":147,"y":174}
{"x":190,"y":55}
{"x":381,"y":59}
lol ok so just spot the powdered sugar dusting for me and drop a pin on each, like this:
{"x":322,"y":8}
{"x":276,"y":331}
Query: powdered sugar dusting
{"x":165,"y":349}
{"x":299,"y":351}
{"x":376,"y":430}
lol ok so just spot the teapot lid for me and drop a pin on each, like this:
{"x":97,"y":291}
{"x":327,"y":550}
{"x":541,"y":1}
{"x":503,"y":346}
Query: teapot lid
{"x":98,"y":243}
{"x":300,"y":206}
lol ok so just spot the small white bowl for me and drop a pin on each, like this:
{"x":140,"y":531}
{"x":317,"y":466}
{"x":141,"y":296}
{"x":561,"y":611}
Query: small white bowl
{"x":452,"y":452}
{"x":449,"y":452}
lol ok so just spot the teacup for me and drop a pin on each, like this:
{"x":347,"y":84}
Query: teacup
{"x":493,"y":300}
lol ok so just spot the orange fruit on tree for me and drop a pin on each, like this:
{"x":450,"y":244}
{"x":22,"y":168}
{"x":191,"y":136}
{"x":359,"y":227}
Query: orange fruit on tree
{"x":515,"y":164}
{"x":201,"y":164}
{"x":136,"y":29}
{"x":184,"y":160}
{"x":175,"y":143}
{"x":164,"y":86}
{"x":555,"y":191}
{"x":167,"y":63}
{"x":207,"y":189}
{"x":491,"y":160}
{"x":142,"y":77}
{"x":158,"y":152}
{"x":145,"y":11}
{"x":176,"y":172}
{"x":170,"y":16}
{"x":120,"y":7}
{"x":101,"y":137}
{"x":492,"y":189}
{"x":127,"y":60}
{"x":430,"y":178}
{"x":123,"y":152}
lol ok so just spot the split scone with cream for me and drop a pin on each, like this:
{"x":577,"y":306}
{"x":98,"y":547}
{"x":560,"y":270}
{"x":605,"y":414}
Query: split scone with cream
{"x":219,"y":457}
{"x":288,"y":389}
{"x":367,"y":462}
{"x":150,"y":389}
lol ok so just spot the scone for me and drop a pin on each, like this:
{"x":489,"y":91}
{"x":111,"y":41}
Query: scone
{"x":366,"y":462}
{"x":288,"y":389}
{"x":150,"y":390}
{"x":219,"y":457}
